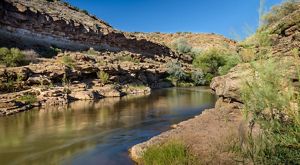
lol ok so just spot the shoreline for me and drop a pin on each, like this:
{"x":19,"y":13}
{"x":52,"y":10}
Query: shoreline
{"x":205,"y":135}
{"x":13,"y":106}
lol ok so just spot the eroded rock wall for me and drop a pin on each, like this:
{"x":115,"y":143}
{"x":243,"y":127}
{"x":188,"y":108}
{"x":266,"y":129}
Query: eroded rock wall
{"x":39,"y":23}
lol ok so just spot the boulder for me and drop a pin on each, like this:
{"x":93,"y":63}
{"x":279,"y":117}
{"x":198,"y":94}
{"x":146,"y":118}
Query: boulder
{"x":83,"y":95}
{"x":229,"y":85}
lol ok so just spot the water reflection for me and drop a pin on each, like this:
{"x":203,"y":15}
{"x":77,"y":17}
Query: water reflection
{"x":95,"y":132}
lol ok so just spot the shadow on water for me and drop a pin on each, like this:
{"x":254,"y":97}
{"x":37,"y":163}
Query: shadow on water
{"x":96,"y":132}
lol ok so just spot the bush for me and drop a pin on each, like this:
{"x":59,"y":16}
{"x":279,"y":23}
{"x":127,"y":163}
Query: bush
{"x":182,"y":46}
{"x":198,"y":78}
{"x":31,"y":56}
{"x":103,"y":76}
{"x":274,"y":104}
{"x":12,"y":57}
{"x":68,"y":61}
{"x":173,"y":152}
{"x":92,"y":52}
{"x":210,"y":61}
{"x":280,"y":11}
{"x":176,"y":72}
{"x":216,"y":62}
{"x":230,"y":62}
{"x":85,"y":12}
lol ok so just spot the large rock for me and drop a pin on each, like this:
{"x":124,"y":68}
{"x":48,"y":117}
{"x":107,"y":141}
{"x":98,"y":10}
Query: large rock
{"x":83,"y":95}
{"x":53,"y":96}
{"x":229,"y":85}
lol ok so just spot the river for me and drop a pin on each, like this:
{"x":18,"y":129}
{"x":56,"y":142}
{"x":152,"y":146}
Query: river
{"x":99,"y":132}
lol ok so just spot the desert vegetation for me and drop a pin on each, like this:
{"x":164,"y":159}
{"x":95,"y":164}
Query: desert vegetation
{"x":271,"y":100}
{"x":172,"y":152}
{"x":103,"y":76}
{"x":271,"y":103}
{"x":215,"y":62}
{"x":12,"y":57}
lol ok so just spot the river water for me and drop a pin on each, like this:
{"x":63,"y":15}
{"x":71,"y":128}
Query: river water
{"x":96,"y":132}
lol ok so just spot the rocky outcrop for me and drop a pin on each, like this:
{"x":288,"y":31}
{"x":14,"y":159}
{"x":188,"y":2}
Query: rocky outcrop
{"x":43,"y":24}
{"x":199,"y":41}
{"x":285,"y":34}
{"x":229,"y":85}
{"x":75,"y":76}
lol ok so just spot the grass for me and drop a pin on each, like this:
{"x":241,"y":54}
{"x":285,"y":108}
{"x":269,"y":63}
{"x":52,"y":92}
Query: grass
{"x":172,"y":152}
{"x":28,"y":99}
{"x":272,"y":103}
{"x":181,"y":45}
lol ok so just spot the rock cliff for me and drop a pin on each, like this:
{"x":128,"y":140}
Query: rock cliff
{"x":132,"y":63}
{"x":198,"y":41}
{"x":43,"y":24}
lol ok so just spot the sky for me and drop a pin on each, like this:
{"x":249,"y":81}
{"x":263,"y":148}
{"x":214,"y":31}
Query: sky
{"x":235,"y":19}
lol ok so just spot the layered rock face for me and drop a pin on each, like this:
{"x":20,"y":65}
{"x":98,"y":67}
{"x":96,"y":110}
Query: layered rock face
{"x":286,"y":34}
{"x":39,"y":23}
{"x":196,"y":40}
{"x":58,"y":81}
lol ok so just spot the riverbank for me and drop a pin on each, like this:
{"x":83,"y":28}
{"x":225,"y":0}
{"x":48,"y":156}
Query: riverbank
{"x":72,"y":76}
{"x":207,"y":135}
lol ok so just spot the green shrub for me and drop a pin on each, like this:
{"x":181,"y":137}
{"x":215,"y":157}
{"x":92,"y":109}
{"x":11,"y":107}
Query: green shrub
{"x":173,"y":152}
{"x":274,"y":104}
{"x":208,"y":77}
{"x":12,"y":57}
{"x":210,"y":61}
{"x":198,"y":78}
{"x":216,"y":62}
{"x":182,"y":46}
{"x":176,"y":72}
{"x":85,"y":12}
{"x":230,"y":62}
{"x":28,"y":99}
{"x":68,"y":61}
{"x":280,"y":11}
{"x":103,"y":76}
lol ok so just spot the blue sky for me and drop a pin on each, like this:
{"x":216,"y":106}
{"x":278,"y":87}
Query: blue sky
{"x":232,"y":18}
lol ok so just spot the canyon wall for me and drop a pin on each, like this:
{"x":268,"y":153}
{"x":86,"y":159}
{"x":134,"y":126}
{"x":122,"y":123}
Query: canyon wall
{"x":39,"y":23}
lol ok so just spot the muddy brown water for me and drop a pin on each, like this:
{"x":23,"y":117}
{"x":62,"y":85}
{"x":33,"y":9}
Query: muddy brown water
{"x":96,"y":132}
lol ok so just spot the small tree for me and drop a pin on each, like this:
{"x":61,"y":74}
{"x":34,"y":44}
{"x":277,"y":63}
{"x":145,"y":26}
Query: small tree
{"x":103,"y":76}
{"x":210,"y":61}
